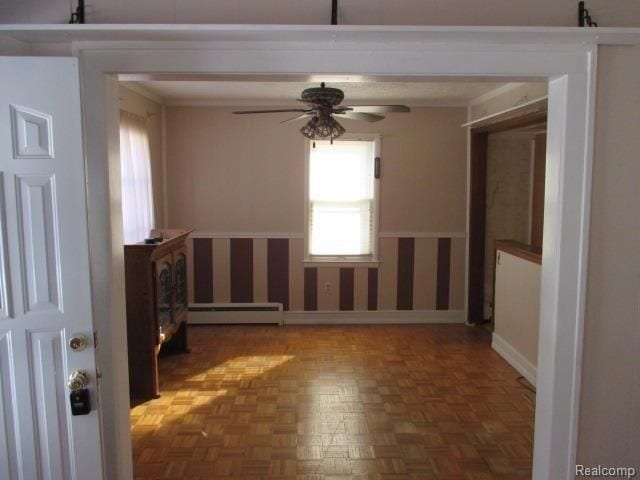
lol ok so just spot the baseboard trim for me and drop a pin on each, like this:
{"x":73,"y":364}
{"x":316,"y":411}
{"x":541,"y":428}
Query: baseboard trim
{"x":514,"y":358}
{"x":378,"y":317}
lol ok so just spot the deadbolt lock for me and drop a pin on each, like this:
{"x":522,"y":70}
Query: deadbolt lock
{"x":78,"y":342}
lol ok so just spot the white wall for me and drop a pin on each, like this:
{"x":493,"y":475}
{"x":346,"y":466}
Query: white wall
{"x":256,"y":165}
{"x":517,"y":311}
{"x":386,"y":12}
{"x":610,"y":400}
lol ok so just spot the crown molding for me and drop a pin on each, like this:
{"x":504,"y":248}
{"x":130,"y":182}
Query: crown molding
{"x":95,"y":34}
{"x":496,"y":92}
{"x":140,"y":90}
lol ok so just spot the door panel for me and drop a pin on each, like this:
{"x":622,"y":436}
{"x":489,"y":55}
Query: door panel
{"x":44,"y":275}
{"x":46,"y":368}
{"x":8,"y":444}
{"x":38,"y":241}
{"x":6,"y":309}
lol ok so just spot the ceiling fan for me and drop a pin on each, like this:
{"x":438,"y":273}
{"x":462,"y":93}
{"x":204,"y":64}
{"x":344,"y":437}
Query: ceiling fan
{"x":322,"y":104}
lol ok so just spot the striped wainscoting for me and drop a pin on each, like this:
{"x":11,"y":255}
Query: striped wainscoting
{"x":414,"y":273}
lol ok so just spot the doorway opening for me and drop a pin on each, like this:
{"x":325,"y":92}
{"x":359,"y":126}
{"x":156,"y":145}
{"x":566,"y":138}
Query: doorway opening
{"x":204,"y":163}
{"x":506,"y":218}
{"x":506,"y":201}
{"x":570,"y":72}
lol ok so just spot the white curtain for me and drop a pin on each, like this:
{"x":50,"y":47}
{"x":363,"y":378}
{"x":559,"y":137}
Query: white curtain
{"x":137,"y":193}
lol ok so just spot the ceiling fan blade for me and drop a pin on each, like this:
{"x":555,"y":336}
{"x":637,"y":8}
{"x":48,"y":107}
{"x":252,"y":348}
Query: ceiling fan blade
{"x":377,"y":108}
{"x":303,"y":110}
{"x":367,"y":117}
{"x":297,"y":117}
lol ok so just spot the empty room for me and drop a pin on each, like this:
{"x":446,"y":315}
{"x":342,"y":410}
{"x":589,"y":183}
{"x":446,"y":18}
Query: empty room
{"x":296,"y":265}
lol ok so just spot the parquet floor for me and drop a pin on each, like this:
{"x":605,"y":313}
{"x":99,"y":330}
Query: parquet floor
{"x":335,"y":403}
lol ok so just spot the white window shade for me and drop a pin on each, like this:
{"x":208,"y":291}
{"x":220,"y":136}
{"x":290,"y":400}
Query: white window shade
{"x":341,"y":198}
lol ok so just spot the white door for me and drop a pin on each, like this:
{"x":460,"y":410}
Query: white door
{"x":44,"y":275}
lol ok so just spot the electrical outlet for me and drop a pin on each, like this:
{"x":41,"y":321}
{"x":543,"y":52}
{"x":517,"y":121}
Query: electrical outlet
{"x":328,"y":287}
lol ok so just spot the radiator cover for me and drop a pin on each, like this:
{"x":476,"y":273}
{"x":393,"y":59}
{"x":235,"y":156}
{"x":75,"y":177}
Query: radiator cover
{"x":235,"y":313}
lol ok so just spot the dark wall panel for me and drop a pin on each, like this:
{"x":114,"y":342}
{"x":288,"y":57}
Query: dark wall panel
{"x":241,"y":270}
{"x":202,"y":270}
{"x":406,"y":254}
{"x":443,"y":274}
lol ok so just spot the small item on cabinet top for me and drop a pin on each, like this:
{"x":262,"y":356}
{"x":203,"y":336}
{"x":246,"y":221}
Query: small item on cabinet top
{"x":153,"y":240}
{"x":162,"y":236}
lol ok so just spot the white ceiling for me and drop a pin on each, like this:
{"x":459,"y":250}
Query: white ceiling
{"x":260,"y":93}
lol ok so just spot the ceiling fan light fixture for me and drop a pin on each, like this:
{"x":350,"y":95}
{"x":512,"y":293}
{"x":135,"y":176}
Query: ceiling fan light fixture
{"x":319,"y":128}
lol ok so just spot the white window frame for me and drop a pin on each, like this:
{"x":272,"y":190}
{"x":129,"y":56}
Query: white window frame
{"x":361,"y":260}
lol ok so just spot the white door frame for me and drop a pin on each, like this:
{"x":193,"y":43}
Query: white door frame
{"x":570,"y":67}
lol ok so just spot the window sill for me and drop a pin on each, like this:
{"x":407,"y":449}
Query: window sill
{"x":340,"y":262}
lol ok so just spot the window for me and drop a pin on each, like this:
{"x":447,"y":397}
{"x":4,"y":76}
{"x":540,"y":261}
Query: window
{"x":135,"y":175}
{"x":342,"y":200}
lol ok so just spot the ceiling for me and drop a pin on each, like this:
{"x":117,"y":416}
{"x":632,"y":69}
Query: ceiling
{"x":263,"y":93}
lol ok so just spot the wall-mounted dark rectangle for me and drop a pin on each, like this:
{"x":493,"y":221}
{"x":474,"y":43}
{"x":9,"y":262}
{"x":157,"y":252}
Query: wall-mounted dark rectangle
{"x":443,"y":274}
{"x":311,"y":288}
{"x":346,"y":288}
{"x":202,"y":270}
{"x":406,"y":249}
{"x":372,"y":289}
{"x":241,"y":269}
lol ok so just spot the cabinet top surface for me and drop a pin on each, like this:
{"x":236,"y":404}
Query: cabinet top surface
{"x":171,"y":239}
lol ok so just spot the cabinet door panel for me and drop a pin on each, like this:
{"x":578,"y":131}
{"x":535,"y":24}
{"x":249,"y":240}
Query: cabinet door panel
{"x":180,"y":282}
{"x":164,"y":289}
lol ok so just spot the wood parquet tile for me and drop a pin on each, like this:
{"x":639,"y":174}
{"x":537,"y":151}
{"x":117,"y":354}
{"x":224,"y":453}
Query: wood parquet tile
{"x":334,"y":403}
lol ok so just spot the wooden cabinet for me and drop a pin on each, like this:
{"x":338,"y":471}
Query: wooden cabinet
{"x":157,"y":306}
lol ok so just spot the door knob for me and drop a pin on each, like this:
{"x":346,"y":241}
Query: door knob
{"x":77,"y":342}
{"x":77,"y":380}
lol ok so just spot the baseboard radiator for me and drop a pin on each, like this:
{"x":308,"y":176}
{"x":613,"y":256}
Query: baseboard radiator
{"x":235,"y":313}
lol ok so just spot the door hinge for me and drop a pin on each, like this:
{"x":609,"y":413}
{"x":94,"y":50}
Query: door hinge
{"x":376,"y":167}
{"x":95,"y":339}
